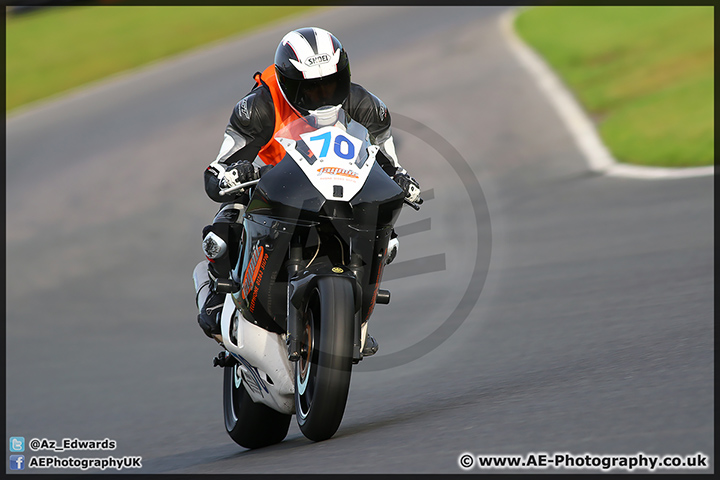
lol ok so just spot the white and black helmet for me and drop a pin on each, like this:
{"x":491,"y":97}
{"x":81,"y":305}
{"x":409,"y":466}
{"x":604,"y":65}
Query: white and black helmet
{"x":312,"y":69}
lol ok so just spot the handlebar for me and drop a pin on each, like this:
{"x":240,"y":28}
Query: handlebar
{"x":415,"y":205}
{"x":240,"y":186}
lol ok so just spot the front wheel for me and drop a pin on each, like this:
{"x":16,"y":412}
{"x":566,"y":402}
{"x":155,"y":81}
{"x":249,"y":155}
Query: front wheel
{"x":322,"y":374}
{"x":250,"y":424}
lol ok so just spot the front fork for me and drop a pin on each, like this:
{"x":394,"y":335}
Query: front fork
{"x":294,"y":322}
{"x":294,"y":298}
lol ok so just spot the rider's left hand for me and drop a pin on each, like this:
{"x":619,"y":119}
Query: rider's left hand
{"x":409,"y":185}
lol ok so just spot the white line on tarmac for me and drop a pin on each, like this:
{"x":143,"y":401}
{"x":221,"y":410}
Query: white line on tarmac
{"x":598,"y":156}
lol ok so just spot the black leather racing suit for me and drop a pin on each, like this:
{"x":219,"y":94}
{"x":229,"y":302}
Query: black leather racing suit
{"x":251,"y":127}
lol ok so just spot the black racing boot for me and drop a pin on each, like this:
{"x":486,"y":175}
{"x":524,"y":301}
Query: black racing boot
{"x":208,"y":274}
{"x":209,"y":317}
{"x":208,"y":301}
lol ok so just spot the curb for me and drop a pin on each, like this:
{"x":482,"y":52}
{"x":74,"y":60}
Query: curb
{"x":577,"y":122}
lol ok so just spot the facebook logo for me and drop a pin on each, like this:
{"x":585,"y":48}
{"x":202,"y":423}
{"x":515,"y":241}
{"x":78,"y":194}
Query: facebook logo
{"x":17,"y":444}
{"x":17,"y":462}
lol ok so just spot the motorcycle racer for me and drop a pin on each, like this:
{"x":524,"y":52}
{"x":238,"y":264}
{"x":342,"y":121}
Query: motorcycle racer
{"x":310,"y":70}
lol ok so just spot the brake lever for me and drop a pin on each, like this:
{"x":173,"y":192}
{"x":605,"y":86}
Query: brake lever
{"x":239,"y":186}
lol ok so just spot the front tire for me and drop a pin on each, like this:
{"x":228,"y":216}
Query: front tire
{"x":322,"y":375}
{"x":250,"y":424}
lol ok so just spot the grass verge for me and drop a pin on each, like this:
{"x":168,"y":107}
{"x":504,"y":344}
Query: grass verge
{"x":644,"y":74}
{"x":58,"y":48}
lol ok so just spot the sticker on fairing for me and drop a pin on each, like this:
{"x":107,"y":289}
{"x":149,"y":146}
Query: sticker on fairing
{"x":336,"y":154}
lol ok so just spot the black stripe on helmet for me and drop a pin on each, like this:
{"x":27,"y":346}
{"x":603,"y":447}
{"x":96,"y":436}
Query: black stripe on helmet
{"x":308,"y":33}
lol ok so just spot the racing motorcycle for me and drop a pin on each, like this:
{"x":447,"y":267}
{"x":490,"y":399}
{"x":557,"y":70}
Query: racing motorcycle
{"x":315,"y":242}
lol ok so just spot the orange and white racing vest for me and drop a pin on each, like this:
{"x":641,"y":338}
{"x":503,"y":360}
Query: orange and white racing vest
{"x":273,"y":152}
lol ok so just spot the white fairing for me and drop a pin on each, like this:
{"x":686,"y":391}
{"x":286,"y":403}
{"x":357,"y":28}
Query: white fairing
{"x":336,"y":165}
{"x":263,"y":360}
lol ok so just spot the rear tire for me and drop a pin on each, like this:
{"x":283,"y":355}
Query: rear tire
{"x":322,"y":375}
{"x":250,"y":424}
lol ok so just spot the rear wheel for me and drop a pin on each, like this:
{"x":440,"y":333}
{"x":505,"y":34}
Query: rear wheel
{"x":322,"y":375}
{"x":250,"y":424}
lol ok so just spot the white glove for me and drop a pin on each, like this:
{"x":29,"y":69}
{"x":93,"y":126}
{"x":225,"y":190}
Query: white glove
{"x":239,"y":172}
{"x":410,"y":185}
{"x":229,"y":179}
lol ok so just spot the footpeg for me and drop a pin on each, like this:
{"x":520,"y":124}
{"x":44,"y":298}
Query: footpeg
{"x":224,"y":360}
{"x":222,"y":285}
{"x":383,"y":297}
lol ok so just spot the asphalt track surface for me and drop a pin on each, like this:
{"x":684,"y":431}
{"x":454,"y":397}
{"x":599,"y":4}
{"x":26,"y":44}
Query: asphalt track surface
{"x":556,"y":310}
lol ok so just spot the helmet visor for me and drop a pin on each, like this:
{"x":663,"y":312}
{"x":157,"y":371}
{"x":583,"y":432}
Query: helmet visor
{"x":330,"y":90}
